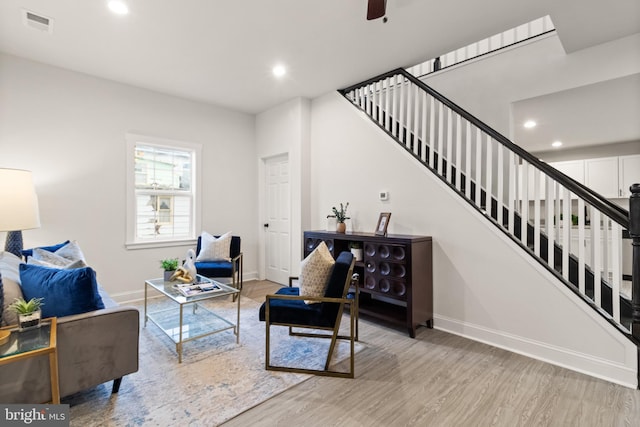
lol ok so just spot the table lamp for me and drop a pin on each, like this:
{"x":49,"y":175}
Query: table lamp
{"x":18,"y":207}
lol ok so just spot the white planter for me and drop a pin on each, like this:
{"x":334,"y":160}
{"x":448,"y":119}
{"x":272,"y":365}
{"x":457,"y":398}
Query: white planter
{"x":28,"y":321}
{"x":357,"y":253}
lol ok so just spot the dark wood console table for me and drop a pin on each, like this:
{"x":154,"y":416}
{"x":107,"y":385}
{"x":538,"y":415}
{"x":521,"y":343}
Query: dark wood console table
{"x":396,"y":274}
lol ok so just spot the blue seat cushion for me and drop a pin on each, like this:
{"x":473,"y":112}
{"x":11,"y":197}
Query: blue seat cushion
{"x":214,"y":268}
{"x":299,"y":313}
{"x":294,"y":311}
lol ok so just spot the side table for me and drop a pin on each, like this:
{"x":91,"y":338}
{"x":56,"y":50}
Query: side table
{"x":33,"y":343}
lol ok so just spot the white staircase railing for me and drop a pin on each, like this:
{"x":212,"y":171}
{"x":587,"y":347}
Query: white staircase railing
{"x":496,"y":42}
{"x":573,"y":231}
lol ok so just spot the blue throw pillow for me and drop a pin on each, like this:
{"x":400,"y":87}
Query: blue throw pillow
{"x":65,"y":292}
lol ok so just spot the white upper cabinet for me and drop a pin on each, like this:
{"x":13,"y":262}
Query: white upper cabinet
{"x":609,"y":176}
{"x":601,"y":175}
{"x":572,"y":168}
{"x":628,"y":173}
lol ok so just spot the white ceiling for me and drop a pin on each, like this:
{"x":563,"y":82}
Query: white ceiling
{"x":221,"y":52}
{"x":605,"y":112}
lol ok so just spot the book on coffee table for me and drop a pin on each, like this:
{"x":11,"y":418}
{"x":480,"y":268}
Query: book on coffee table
{"x":191,"y":289}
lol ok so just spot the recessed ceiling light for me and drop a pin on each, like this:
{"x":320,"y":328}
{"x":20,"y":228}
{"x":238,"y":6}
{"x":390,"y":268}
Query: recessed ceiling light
{"x":530,"y":124}
{"x":279,"y":70}
{"x":556,"y":144}
{"x":119,"y":7}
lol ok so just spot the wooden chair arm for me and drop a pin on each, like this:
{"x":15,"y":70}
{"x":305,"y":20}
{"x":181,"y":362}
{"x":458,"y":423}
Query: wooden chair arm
{"x":307,"y":298}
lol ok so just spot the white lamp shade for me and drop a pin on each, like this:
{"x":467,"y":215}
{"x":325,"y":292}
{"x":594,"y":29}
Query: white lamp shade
{"x":18,"y":201}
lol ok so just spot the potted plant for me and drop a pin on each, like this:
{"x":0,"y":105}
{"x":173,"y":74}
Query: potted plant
{"x":169,"y":266}
{"x":356,"y":250}
{"x":29,"y":312}
{"x":341,"y":216}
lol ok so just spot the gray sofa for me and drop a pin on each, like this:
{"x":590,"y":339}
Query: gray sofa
{"x":93,"y":348}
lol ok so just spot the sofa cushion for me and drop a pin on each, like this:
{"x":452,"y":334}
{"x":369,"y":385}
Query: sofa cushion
{"x":10,"y":271}
{"x":215,"y":249}
{"x":65,"y":292}
{"x":315,"y":270}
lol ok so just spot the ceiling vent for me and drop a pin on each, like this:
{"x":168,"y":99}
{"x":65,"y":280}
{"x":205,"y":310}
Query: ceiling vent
{"x":36,"y":21}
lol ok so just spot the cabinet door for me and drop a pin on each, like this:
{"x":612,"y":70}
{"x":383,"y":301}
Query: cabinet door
{"x":601,"y":175}
{"x":573,"y":169}
{"x":386,"y":269}
{"x":629,"y":173}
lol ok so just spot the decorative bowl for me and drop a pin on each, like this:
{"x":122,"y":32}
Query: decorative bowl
{"x":4,"y":336}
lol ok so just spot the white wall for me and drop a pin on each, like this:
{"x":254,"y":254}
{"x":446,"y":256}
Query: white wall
{"x":485,"y":287}
{"x":285,"y":130}
{"x":69,"y":129}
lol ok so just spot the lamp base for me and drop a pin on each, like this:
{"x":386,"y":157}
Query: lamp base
{"x":13,"y":243}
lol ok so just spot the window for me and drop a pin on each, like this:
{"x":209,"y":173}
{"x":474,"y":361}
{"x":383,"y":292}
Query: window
{"x":162,"y":202}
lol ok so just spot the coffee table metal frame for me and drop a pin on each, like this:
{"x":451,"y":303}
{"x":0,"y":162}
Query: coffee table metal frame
{"x":191,"y":324}
{"x":34,"y":342}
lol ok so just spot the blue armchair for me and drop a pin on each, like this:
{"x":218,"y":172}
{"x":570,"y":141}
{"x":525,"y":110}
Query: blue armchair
{"x":287,"y":308}
{"x":232,"y":269}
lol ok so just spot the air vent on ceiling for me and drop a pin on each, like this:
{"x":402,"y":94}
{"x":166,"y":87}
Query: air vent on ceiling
{"x":36,"y":21}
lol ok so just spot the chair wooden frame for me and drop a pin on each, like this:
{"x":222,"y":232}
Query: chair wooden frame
{"x":334,"y":336}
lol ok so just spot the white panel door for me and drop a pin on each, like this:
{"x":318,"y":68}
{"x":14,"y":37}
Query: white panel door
{"x":601,"y":175}
{"x":629,"y":170}
{"x":277,"y":225}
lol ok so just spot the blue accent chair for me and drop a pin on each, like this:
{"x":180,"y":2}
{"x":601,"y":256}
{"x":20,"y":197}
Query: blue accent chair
{"x":216,"y":269}
{"x":287,"y":308}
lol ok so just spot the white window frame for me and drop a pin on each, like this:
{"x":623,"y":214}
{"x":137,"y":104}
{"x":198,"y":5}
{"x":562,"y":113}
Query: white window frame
{"x":131,"y":242}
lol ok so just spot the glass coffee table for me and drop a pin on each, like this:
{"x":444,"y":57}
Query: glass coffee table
{"x":32,"y":343}
{"x":190,"y":323}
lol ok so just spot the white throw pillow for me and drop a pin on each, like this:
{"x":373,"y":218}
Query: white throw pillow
{"x":67,"y":266}
{"x":52,"y":259}
{"x":71,"y":251}
{"x":212,"y":249}
{"x":315,"y":271}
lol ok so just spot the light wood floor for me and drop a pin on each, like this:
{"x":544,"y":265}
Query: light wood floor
{"x":440,"y":379}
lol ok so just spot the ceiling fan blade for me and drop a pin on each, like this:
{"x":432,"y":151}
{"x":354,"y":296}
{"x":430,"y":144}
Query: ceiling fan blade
{"x":376,"y":9}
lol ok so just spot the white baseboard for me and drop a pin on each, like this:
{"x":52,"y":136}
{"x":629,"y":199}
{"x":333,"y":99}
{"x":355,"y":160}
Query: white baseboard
{"x":604,"y":369}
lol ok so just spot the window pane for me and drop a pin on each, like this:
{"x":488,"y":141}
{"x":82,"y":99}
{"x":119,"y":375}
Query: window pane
{"x":162,"y":168}
{"x":163,"y":216}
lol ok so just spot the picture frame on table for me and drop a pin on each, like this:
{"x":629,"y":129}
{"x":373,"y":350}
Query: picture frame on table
{"x":383,"y":223}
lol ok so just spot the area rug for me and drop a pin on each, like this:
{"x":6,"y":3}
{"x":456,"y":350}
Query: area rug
{"x":216,"y":380}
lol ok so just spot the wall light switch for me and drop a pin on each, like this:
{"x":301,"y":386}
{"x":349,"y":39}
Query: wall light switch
{"x":384,"y":195}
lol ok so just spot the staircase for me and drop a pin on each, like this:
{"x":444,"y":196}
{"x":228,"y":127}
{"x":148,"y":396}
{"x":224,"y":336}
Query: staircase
{"x":528,"y":200}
